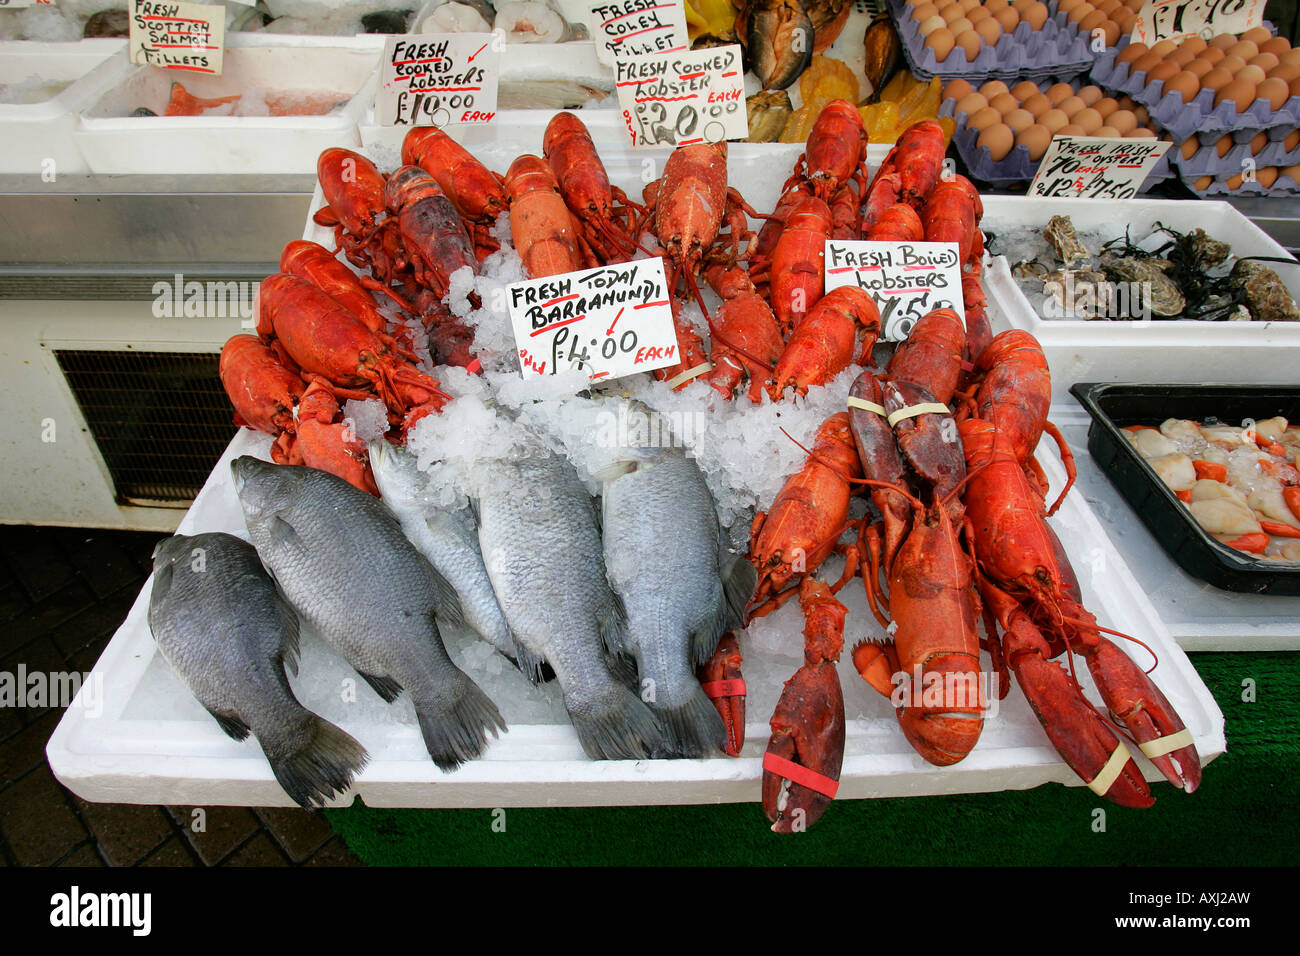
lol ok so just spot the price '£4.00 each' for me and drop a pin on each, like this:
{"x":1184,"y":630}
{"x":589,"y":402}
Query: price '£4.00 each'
{"x":1175,"y":19}
{"x":678,"y":99}
{"x":634,"y":27}
{"x":907,"y":279}
{"x":178,"y":36}
{"x":439,"y":79}
{"x":608,"y":322}
{"x":1096,"y":167}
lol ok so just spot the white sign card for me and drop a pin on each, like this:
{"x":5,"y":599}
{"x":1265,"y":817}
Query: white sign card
{"x":438,"y":79}
{"x":1096,"y":167}
{"x":1176,"y":19}
{"x":679,"y":99}
{"x":178,"y":36}
{"x":907,"y":279}
{"x":633,"y":27}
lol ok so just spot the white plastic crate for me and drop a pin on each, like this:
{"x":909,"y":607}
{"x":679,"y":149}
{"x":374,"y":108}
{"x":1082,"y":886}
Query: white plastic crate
{"x":116,"y":143}
{"x":36,"y":134}
{"x":1150,"y":350}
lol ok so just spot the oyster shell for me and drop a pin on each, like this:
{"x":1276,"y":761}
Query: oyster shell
{"x":1266,"y":296}
{"x":1060,"y":233}
{"x":1160,"y":292}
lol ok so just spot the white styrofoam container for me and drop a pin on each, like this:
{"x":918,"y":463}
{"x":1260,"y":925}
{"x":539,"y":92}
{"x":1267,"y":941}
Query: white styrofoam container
{"x":1151,"y":350}
{"x":36,"y":133}
{"x":114,"y":142}
{"x":146,"y":740}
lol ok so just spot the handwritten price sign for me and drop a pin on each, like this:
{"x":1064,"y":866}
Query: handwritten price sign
{"x":635,"y":27}
{"x":1096,"y":167}
{"x":439,"y":80}
{"x":683,"y":98}
{"x":907,"y":279}
{"x":609,"y":322}
{"x":178,"y":36}
{"x":1176,"y":19}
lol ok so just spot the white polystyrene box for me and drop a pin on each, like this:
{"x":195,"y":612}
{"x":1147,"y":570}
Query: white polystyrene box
{"x":36,"y":134}
{"x":114,"y":142}
{"x":1153,"y":350}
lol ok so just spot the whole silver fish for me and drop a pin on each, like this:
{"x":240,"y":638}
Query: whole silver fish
{"x":228,"y":634}
{"x":447,"y":538}
{"x":540,"y":536}
{"x":340,"y":558}
{"x":664,"y":554}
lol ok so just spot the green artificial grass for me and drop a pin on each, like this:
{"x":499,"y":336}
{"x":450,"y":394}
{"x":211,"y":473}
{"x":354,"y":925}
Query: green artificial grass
{"x":1232,"y":820}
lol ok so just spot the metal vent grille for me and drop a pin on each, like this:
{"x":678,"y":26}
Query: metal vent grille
{"x":161,"y":419}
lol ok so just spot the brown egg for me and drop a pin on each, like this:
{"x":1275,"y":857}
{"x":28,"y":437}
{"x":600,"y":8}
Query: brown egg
{"x":990,"y":31}
{"x":1232,"y":63}
{"x":970,"y":104}
{"x":969,"y":41}
{"x":1109,"y":6}
{"x":1265,"y":61}
{"x":1244,"y":49}
{"x":1198,"y":67}
{"x":1142,"y":115}
{"x":1068,"y":6}
{"x":1093,"y":21}
{"x":923,"y":10}
{"x":1195,"y":44}
{"x":960,"y":26}
{"x":1071,"y":105}
{"x":1111,"y":31}
{"x":1036,"y":139}
{"x":1223,"y":145}
{"x":1071,"y":129}
{"x":1278,"y":46}
{"x":1295,"y":87}
{"x":1019,"y":120}
{"x":968,"y":5}
{"x":1292,"y":140}
{"x":1252,"y":73}
{"x":1185,"y":84}
{"x":978,"y":15}
{"x":1203,"y":183}
{"x":1109,"y":132}
{"x":1038,"y":104}
{"x":1125,"y":102}
{"x":956,"y":89}
{"x":1105,"y":106}
{"x":1131,"y":53}
{"x":941,"y":41}
{"x":1004,"y":103}
{"x":1235,"y":182}
{"x":1258,"y":142}
{"x":1276,"y":91}
{"x":984,"y":118}
{"x":1182,"y":56}
{"x":1079,"y":11}
{"x":1189,"y":147}
{"x":1143,"y":133}
{"x":1211,"y":54}
{"x":993,"y":87}
{"x":999,"y":139}
{"x":1023,"y":5}
{"x":1164,"y":48}
{"x":1146,"y":62}
{"x":1162,"y":71}
{"x":933,"y":23}
{"x":1223,"y":41}
{"x":1008,"y":19}
{"x":1054,"y":120}
{"x":1266,"y":176}
{"x":1217,"y":79}
{"x":1292,"y":173}
{"x":1090,"y":94}
{"x":1122,"y":120}
{"x":1089,"y":119}
{"x":1035,"y":14}
{"x":1058,"y":92}
{"x":1285,"y":71}
{"x":1257,"y":35}
{"x":1240,"y":92}
{"x":1290,"y":56}
{"x":1024,"y":89}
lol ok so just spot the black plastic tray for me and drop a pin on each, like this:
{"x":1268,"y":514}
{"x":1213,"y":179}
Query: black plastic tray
{"x":1115,"y":405}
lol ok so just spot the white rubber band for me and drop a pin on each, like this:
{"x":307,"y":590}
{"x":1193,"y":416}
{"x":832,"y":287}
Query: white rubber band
{"x":911,"y":411}
{"x":1164,"y":745}
{"x":690,"y":375}
{"x":866,"y":406}
{"x":1109,"y":773}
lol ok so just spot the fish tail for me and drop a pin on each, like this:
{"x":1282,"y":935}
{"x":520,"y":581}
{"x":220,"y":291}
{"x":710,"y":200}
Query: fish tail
{"x":324,"y":762}
{"x":694,"y":728}
{"x":617,"y":725}
{"x":455,"y":727}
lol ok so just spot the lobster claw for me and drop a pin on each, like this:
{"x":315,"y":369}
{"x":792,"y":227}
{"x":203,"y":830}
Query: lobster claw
{"x":720,"y":677}
{"x":1139,"y":705}
{"x":801,"y":768}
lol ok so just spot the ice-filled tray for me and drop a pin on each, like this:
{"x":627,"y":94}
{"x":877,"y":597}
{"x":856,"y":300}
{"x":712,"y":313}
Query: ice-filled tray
{"x":46,"y":84}
{"x":151,"y":742}
{"x":1200,"y":616}
{"x":1146,"y":351}
{"x":115,"y":142}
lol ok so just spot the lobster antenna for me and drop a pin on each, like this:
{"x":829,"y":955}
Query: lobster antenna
{"x":916,"y":502}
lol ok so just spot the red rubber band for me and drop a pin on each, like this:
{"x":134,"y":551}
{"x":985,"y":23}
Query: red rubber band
{"x":801,"y":775}
{"x":967,"y":367}
{"x":474,"y":367}
{"x":732,"y":687}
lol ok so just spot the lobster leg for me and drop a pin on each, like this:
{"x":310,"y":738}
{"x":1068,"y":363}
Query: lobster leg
{"x":801,"y":769}
{"x":720,"y":677}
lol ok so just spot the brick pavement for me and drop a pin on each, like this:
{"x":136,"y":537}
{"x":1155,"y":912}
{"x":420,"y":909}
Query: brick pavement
{"x":63,"y":592}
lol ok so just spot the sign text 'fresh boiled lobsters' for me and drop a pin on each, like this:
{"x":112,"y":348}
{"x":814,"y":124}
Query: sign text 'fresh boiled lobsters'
{"x":907,"y":279}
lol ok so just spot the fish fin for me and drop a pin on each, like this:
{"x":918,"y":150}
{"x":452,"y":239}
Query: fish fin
{"x":613,"y":471}
{"x":739,"y":582}
{"x":623,"y":667}
{"x":617,"y":725}
{"x":324,"y":764}
{"x":531,"y":664}
{"x":283,"y":535}
{"x":234,"y":727}
{"x":694,"y":729}
{"x":613,"y":626}
{"x":446,"y":602}
{"x":289,"y":648}
{"x":385,"y":687}
{"x":456,"y":733}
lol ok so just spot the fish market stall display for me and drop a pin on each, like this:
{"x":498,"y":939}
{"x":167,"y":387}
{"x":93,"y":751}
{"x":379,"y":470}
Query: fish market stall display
{"x":623,"y":569}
